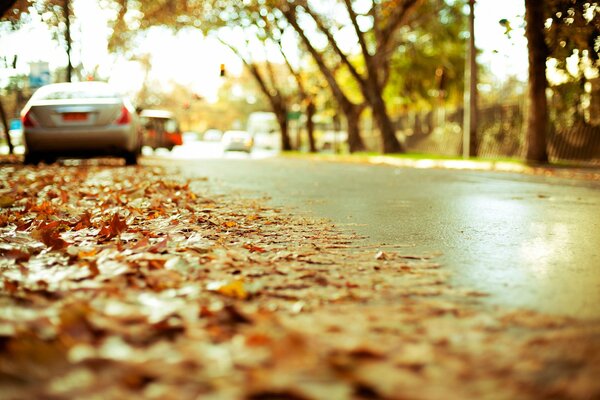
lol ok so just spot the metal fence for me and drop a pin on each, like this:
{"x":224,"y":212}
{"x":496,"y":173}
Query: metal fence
{"x":501,"y":133}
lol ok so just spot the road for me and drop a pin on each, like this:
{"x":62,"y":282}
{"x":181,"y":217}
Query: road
{"x":530,"y":242}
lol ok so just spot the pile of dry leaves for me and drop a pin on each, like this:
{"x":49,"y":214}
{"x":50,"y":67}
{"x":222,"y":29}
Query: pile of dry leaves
{"x":124,"y":282}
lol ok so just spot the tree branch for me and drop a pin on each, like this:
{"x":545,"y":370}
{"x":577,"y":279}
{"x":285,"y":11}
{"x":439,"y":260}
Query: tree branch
{"x":333,"y":43}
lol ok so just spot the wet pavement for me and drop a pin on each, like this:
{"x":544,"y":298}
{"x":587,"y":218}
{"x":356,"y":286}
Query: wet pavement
{"x":528,"y":241}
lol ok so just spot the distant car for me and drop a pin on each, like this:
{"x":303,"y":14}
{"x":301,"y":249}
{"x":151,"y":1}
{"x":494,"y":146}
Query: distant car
{"x":190,"y":136}
{"x":83,"y":119}
{"x":237,"y":141}
{"x":161,"y":129}
{"x":212,"y":135}
{"x":332,"y":140}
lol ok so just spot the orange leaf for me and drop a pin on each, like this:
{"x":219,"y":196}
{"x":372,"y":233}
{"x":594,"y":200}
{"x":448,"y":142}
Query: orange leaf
{"x":159,"y":247}
{"x":115,"y":227}
{"x":87,"y":254}
{"x":234,"y":289}
{"x":254,"y":249}
{"x":84,"y":221}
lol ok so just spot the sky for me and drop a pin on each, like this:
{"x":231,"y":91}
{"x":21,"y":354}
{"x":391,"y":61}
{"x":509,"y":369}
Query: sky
{"x":192,"y":60}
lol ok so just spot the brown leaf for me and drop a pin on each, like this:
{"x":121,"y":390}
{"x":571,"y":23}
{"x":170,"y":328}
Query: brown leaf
{"x":115,"y":227}
{"x":159,"y":247}
{"x":11,"y":286}
{"x":49,"y":234}
{"x":7,"y":200}
{"x":83,"y":222}
{"x":253,"y":248}
{"x":15,"y":254}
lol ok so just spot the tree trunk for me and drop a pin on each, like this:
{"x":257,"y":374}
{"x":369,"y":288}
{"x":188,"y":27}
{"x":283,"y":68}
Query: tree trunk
{"x":386,"y":127}
{"x":6,"y":128}
{"x":67,"y":11}
{"x":282,"y":121}
{"x":537,"y":120}
{"x":310,"y":126}
{"x":352,"y":113}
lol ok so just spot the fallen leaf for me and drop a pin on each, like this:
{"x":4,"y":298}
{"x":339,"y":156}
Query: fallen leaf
{"x":233,"y":288}
{"x":15,"y":254}
{"x":49,"y":234}
{"x":253,"y":248}
{"x":7,"y":200}
{"x":114,"y":228}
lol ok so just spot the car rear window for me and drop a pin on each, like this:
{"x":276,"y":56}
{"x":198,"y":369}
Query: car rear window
{"x":76,"y":92}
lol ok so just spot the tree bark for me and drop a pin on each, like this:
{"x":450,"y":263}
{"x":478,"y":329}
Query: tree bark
{"x":311,"y":109}
{"x":67,"y":12}
{"x":6,"y":128}
{"x":390,"y":143}
{"x":281,"y":114}
{"x":352,"y":113}
{"x":537,"y":120}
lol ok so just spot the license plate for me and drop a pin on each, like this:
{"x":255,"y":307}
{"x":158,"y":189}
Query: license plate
{"x":75,"y":116}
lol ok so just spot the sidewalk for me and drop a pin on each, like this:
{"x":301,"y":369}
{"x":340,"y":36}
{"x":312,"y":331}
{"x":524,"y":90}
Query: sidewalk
{"x":583,"y":172}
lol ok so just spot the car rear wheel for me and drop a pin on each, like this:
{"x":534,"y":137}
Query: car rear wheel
{"x":31,"y":159}
{"x":131,"y":158}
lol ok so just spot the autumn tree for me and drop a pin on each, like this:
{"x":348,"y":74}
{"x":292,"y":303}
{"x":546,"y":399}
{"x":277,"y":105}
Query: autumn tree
{"x":557,"y":29}
{"x":10,"y":10}
{"x":375,"y":25}
{"x":305,"y":93}
{"x":237,"y":25}
{"x":250,"y":22}
{"x":55,"y":13}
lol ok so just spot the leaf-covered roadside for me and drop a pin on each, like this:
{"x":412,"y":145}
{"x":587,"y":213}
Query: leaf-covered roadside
{"x":122,"y":282}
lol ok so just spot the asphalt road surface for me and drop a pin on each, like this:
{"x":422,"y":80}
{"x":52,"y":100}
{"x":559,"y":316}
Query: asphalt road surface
{"x":530,"y":242}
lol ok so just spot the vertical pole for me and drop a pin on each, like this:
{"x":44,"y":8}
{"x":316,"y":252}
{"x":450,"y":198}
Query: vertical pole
{"x":67,"y":13}
{"x":470,"y":97}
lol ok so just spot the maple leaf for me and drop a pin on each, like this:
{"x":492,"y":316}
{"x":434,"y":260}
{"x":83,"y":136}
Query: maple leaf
{"x":114,"y":228}
{"x":83,"y":222}
{"x":49,"y":234}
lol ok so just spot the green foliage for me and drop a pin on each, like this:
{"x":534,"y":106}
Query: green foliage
{"x":573,"y":40}
{"x":428,"y":66}
{"x":573,"y":28}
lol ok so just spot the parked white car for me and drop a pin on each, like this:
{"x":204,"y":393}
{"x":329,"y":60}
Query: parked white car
{"x":83,"y":119}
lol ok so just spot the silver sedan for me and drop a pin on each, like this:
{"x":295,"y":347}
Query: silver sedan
{"x":83,"y":119}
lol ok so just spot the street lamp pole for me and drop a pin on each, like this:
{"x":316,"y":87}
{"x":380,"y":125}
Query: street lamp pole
{"x":470,"y":96}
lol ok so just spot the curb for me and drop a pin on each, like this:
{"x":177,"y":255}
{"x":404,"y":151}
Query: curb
{"x":591,"y":173}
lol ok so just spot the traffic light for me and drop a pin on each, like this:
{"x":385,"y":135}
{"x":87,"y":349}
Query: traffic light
{"x":222,"y":70}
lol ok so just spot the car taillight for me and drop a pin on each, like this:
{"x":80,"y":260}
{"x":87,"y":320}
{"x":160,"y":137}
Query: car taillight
{"x":125,"y":116}
{"x":26,"y":120}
